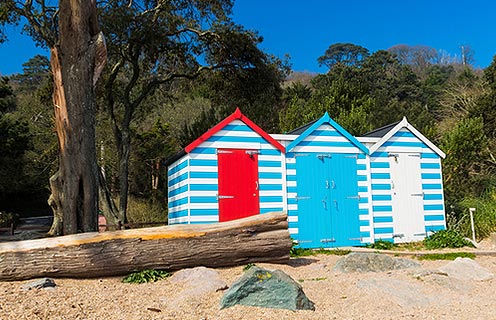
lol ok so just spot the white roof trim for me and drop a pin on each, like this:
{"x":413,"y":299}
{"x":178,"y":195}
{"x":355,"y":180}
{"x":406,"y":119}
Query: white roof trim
{"x":368,"y":139}
{"x":283,"y":137}
{"x":405,"y":124}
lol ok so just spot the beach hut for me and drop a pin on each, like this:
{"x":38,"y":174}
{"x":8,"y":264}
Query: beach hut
{"x":406,"y":183}
{"x":327,"y":186}
{"x":232,"y":171}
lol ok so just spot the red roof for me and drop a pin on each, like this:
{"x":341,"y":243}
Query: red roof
{"x":237,"y":115}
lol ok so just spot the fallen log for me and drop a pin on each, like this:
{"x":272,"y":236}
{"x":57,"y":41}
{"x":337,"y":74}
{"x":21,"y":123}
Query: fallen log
{"x":261,"y":238}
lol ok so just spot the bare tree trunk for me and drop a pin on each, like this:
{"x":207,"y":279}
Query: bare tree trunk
{"x":107,"y":204}
{"x":260,"y":238}
{"x":125,"y":150}
{"x":76,"y":62}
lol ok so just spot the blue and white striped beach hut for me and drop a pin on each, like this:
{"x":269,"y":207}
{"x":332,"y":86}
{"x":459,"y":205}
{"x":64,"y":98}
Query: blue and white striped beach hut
{"x":406,"y":183}
{"x":232,"y":171}
{"x":327,"y":186}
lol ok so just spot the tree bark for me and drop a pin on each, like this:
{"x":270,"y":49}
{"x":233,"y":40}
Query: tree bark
{"x":76,"y":62}
{"x":261,"y":238}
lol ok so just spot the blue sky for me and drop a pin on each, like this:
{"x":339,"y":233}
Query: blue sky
{"x":305,"y":29}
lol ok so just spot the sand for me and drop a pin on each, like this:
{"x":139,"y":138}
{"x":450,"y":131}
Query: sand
{"x":399,"y":294}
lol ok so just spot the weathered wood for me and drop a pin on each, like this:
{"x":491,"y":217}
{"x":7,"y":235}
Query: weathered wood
{"x":261,"y":238}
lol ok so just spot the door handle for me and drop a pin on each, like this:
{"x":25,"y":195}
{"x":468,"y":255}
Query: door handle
{"x":324,"y":202}
{"x":256,"y":185}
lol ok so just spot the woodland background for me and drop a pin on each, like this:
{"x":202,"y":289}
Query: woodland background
{"x":442,"y":95}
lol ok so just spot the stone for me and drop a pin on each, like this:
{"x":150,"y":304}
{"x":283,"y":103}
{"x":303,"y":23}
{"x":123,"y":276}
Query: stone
{"x":266,"y":288}
{"x":372,"y":262}
{"x":403,"y":293}
{"x":198,"y":281}
{"x":43,"y":283}
{"x":466,"y":269}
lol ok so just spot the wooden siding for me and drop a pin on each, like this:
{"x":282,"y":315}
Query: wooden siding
{"x":326,"y":139}
{"x":178,"y":182}
{"x":203,"y":173}
{"x":431,"y":177}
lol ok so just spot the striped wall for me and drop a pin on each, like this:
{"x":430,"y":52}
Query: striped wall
{"x":432,"y":186}
{"x":326,"y":139}
{"x":202,"y":205}
{"x":178,"y":191}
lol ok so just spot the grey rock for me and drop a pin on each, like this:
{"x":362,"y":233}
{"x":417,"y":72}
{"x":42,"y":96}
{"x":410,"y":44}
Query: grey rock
{"x":265,"y":288}
{"x":466,"y":269}
{"x":403,"y":293}
{"x":198,"y":281}
{"x":372,"y":262}
{"x":43,"y":283}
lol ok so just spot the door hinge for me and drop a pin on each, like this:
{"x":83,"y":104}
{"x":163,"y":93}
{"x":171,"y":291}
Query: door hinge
{"x":218,"y":151}
{"x":396,"y":155}
{"x":360,"y":239}
{"x":224,"y":197}
{"x":414,"y":155}
{"x":353,"y":197}
{"x":398,"y":235}
{"x":304,"y":241}
{"x":328,"y":240}
{"x":353,"y":156}
{"x":301,"y":198}
{"x":252,"y":152}
{"x":301,"y":155}
{"x":417,"y":194}
{"x":322,"y":156}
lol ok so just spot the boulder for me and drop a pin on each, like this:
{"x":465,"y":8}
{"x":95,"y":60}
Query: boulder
{"x":466,"y":269}
{"x":42,"y":283}
{"x":372,"y":262}
{"x":198,"y":281}
{"x":266,"y":288}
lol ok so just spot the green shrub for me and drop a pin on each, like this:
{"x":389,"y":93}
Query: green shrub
{"x":447,"y":256}
{"x":381,"y":245}
{"x":141,"y":210}
{"x":484,"y":216}
{"x":300,"y":252}
{"x":446,"y":239}
{"x":7,"y":218}
{"x":145,"y":276}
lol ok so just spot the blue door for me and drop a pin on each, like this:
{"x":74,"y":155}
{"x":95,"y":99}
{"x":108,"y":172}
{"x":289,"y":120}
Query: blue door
{"x":327,"y":197}
{"x":345,"y":201}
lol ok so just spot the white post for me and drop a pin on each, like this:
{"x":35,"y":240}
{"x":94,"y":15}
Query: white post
{"x":472,"y":210}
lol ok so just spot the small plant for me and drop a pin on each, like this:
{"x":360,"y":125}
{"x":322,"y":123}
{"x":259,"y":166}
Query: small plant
{"x":146,"y":276}
{"x":381,"y":245}
{"x":446,"y":239}
{"x":447,"y":256}
{"x":248,"y":266}
{"x":7,"y":218}
{"x":300,"y":252}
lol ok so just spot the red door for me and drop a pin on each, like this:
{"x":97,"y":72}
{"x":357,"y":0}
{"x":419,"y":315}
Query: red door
{"x":238,"y":184}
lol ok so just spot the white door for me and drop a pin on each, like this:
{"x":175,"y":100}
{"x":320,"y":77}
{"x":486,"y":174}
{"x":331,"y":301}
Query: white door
{"x":407,"y":197}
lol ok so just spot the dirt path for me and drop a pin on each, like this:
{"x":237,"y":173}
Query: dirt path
{"x":400,"y":294}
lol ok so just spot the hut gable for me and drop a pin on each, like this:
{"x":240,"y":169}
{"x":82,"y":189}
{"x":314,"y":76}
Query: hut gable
{"x":406,"y":185}
{"x":235,"y":128}
{"x":231,"y":171}
{"x":325,"y":135}
{"x":327,"y":176}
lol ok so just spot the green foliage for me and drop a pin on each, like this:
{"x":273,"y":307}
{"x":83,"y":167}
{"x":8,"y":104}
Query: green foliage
{"x":381,"y":245}
{"x":466,"y":147}
{"x":343,"y":53}
{"x":248,"y":266}
{"x":446,"y":256}
{"x":146,"y":210}
{"x":300,"y":252}
{"x":145,"y":276}
{"x":446,"y":239}
{"x":484,"y":215}
{"x":7,"y":218}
